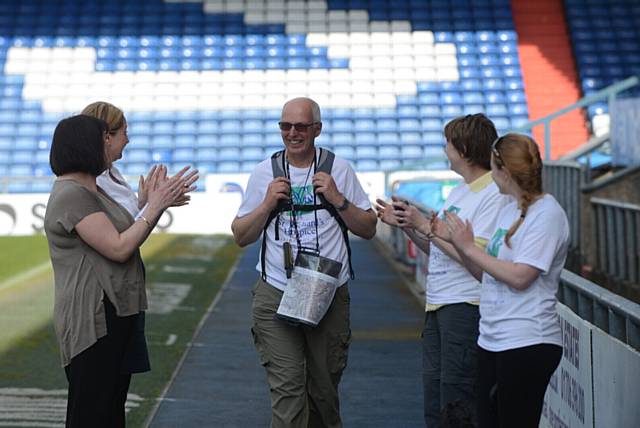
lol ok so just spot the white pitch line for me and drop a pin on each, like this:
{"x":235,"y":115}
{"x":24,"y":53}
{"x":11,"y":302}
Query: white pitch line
{"x":23,"y":276}
{"x":183,"y":269}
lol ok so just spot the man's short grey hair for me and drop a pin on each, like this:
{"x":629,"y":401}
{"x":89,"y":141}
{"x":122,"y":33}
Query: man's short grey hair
{"x":315,"y":108}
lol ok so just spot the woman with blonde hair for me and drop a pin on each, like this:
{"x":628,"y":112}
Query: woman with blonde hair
{"x":520,"y":341}
{"x":111,"y":180}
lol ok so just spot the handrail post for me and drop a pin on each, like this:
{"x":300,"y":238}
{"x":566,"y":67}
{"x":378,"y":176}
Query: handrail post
{"x":547,"y":139}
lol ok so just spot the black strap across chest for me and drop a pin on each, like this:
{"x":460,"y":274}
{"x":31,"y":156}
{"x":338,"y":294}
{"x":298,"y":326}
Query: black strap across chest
{"x":278,"y":167}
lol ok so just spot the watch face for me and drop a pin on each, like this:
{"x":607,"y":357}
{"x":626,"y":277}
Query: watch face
{"x":344,"y":205}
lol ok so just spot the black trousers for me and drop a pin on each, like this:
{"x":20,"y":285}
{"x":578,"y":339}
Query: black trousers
{"x":512,"y":384}
{"x":98,"y":385}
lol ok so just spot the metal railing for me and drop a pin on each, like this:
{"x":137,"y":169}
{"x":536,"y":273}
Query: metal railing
{"x":611,"y":313}
{"x":616,"y":232}
{"x":609,"y":93}
{"x":564,"y":179}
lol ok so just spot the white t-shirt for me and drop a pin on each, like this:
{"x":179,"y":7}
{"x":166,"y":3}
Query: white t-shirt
{"x":511,"y":318}
{"x":121,"y":192}
{"x":447,"y":280}
{"x":332,"y":243}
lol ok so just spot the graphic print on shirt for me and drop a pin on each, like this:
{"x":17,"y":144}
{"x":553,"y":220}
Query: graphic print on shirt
{"x":452,"y":209}
{"x":301,"y":195}
{"x":493,"y":248}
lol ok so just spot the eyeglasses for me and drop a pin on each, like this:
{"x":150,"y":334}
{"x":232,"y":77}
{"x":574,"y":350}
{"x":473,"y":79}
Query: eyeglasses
{"x":300,"y":127}
{"x":497,"y":158}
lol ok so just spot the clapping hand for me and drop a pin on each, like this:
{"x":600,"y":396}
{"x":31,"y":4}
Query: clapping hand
{"x":143,"y":185}
{"x":166,"y":191}
{"x":385,"y":213}
{"x":190,"y":178}
{"x":460,"y":233}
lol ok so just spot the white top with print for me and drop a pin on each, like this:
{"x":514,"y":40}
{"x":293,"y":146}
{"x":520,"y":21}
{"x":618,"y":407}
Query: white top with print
{"x":511,"y":318}
{"x":447,"y":280}
{"x":332,"y":243}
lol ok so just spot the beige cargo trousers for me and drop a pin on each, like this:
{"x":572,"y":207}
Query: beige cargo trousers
{"x":304,"y":364}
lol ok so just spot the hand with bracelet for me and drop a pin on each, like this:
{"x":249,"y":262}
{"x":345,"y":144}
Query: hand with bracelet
{"x":409,"y":216}
{"x":164,"y":192}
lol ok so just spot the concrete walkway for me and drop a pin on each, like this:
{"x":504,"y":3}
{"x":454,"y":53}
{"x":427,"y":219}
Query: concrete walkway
{"x":221,"y":383}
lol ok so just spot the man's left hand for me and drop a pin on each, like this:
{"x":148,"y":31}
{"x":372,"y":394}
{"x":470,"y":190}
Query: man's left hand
{"x":324,"y":184}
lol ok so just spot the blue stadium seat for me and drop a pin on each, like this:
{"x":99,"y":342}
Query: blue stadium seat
{"x":20,"y":170}
{"x":366,"y":138}
{"x":252,"y":154}
{"x":496,"y":110}
{"x":229,"y":140}
{"x":411,"y":151}
{"x":367,"y":165}
{"x":229,"y":153}
{"x":137,"y":155}
{"x":408,"y":125}
{"x":19,"y":187}
{"x":206,"y":155}
{"x":41,"y":186}
{"x":252,"y":140}
{"x":346,"y":152}
{"x":229,"y":166}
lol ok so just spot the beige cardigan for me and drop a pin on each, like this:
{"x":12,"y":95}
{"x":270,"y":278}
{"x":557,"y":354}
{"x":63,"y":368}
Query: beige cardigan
{"x":82,"y":275}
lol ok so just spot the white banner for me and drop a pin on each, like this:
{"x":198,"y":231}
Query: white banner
{"x":569,"y":398}
{"x":208,"y":212}
{"x":616,"y":382}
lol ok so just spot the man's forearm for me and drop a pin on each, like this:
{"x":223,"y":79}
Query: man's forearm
{"x":247,"y":229}
{"x":359,"y":221}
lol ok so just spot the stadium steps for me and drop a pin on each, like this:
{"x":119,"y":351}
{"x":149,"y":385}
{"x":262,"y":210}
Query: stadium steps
{"x":549,"y":72}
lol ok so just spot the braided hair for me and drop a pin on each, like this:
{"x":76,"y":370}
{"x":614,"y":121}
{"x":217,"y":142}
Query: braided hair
{"x":520,"y":155}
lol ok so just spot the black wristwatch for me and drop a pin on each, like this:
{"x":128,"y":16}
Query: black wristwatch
{"x":344,"y":205}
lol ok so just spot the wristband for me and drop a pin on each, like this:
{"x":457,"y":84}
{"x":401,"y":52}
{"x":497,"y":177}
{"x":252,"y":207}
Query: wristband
{"x":344,"y":205}
{"x":141,"y":217}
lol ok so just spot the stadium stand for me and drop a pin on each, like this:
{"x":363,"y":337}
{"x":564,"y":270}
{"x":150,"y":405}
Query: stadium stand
{"x":203,"y":81}
{"x":606,"y":46}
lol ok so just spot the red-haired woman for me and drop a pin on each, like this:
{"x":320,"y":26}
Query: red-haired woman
{"x":520,"y":338}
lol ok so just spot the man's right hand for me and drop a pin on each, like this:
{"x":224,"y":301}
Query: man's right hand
{"x":279,"y":189}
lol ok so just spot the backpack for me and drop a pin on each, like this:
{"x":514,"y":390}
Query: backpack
{"x":324,"y":164}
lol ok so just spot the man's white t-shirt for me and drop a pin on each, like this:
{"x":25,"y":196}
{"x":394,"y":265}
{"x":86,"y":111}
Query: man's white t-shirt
{"x":447,"y":280}
{"x":330,"y":237}
{"x":511,"y":318}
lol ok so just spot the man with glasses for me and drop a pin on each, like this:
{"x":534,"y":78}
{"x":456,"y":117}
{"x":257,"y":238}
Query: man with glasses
{"x":304,"y":364}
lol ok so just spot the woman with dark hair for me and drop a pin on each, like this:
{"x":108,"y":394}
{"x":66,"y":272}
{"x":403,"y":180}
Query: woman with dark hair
{"x":99,"y":276}
{"x":520,"y":338}
{"x":113,"y":184}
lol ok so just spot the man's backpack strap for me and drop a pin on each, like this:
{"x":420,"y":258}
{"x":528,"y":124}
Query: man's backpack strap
{"x":325,"y":164}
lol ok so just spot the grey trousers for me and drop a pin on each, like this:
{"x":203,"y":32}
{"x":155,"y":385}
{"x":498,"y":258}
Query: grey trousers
{"x":304,"y":364}
{"x":450,"y":359}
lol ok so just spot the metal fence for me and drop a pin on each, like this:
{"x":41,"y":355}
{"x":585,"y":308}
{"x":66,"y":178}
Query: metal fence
{"x":611,"y":313}
{"x":616,"y":233}
{"x":564,"y":179}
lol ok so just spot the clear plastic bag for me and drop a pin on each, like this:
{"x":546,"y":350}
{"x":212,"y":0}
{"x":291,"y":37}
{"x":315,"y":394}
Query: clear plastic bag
{"x":311,"y":288}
